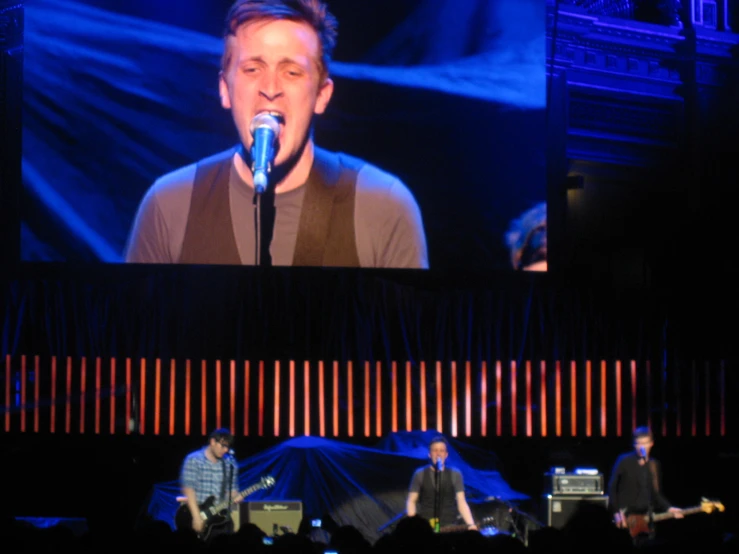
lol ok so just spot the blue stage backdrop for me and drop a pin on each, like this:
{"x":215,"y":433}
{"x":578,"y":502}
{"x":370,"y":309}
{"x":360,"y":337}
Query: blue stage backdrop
{"x":356,"y":485}
{"x":449,"y":96}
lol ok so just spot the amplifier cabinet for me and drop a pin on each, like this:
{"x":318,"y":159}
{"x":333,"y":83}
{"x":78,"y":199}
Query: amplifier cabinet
{"x":558,"y":509}
{"x":272,"y":516}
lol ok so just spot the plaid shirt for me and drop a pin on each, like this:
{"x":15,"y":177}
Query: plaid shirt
{"x":206,"y":477}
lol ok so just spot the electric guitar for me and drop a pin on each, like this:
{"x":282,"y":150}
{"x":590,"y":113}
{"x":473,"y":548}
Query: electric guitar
{"x":638,"y":524}
{"x":215,"y":515}
{"x":482,"y":524}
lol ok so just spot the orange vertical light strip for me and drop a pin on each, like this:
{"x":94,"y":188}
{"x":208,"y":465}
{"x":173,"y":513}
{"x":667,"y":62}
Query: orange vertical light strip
{"x":247,"y":397}
{"x":350,"y":397}
{"x":454,"y":398}
{"x":276,"y":427}
{"x":336,"y":398}
{"x":98,"y":377}
{"x":484,"y":399}
{"x":514,"y":400}
{"x":498,"y":398}
{"x":260,"y":407}
{"x":708,"y":399}
{"x":83,"y":392}
{"x":36,"y":392}
{"x":558,"y":398}
{"x":68,"y":399}
{"x":306,"y":397}
{"x":52,"y":422}
{"x":172,"y":395}
{"x":543,"y":400}
{"x":23,"y":394}
{"x":321,"y":399}
{"x":112,"y":396}
{"x":408,"y":398}
{"x":219,"y":395}
{"x":367,"y":411}
{"x":203,"y":398}
{"x":8,"y":371}
{"x":529,"y":411}
{"x":188,"y":375}
{"x":424,"y":412}
{"x":291,"y":405}
{"x":694,"y":400}
{"x":573,"y":398}
{"x":378,"y":398}
{"x":633,"y":395}
{"x":722,"y":397}
{"x":157,"y":395}
{"x":603,"y":428}
{"x":128,"y":396}
{"x":394,"y":397}
{"x":142,"y":399}
{"x":588,"y":398}
{"x":467,"y":398}
{"x":439,"y":420}
{"x":619,"y":412}
{"x":232,"y":395}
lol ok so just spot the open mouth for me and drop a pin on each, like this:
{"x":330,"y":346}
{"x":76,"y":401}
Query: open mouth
{"x":277,"y":115}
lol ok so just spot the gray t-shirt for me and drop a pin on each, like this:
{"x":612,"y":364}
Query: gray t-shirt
{"x":387,"y":221}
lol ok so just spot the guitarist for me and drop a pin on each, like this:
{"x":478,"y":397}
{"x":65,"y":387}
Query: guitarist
{"x":210,"y":471}
{"x":442,"y":503}
{"x":635,"y":484}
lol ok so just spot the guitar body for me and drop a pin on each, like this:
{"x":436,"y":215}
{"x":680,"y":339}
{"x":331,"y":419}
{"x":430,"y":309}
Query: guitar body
{"x":208,"y":510}
{"x":637,"y":525}
{"x":216,"y":515}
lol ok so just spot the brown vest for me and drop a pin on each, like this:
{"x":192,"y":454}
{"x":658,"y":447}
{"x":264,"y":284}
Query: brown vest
{"x":326,"y":227}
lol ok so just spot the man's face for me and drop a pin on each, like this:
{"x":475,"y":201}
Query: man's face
{"x":274,"y":67}
{"x":438,"y":451}
{"x":645,"y":443}
{"x":219,"y":448}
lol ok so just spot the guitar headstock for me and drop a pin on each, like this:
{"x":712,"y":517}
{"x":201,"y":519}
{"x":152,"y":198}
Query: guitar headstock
{"x":266,"y":482}
{"x":710,"y":505}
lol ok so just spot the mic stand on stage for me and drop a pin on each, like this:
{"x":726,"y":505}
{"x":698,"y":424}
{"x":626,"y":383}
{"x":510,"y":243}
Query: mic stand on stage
{"x":522,"y":535}
{"x":437,"y":499}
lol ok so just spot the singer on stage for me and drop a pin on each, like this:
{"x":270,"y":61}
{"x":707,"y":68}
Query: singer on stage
{"x":437,"y":491}
{"x":276,"y":198}
{"x":635,"y":485}
{"x":210,"y":472}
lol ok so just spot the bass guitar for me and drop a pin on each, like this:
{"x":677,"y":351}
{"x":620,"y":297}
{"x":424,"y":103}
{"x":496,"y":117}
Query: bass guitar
{"x":215,"y":515}
{"x":638,"y":524}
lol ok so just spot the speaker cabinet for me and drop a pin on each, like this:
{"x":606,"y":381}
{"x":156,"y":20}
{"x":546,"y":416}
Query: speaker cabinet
{"x":274,"y":517}
{"x":559,"y":508}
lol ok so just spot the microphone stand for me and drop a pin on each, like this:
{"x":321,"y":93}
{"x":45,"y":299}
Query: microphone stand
{"x":437,"y":499}
{"x":521,"y":534}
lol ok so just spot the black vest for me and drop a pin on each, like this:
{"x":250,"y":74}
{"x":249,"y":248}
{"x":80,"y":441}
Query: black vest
{"x":448,"y":498}
{"x":326,"y":227}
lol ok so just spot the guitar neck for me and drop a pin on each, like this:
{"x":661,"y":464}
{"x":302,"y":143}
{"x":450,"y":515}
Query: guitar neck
{"x":246,"y":492}
{"x":686,"y":512}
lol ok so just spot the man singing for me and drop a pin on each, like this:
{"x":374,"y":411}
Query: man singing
{"x":444,"y":508}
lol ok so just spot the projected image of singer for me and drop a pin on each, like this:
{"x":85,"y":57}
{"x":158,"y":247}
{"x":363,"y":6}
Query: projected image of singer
{"x":436,"y":492}
{"x":317,"y":208}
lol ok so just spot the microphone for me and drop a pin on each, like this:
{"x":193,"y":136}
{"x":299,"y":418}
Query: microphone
{"x":642,"y":452}
{"x":438,"y":464}
{"x":264,"y":128}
